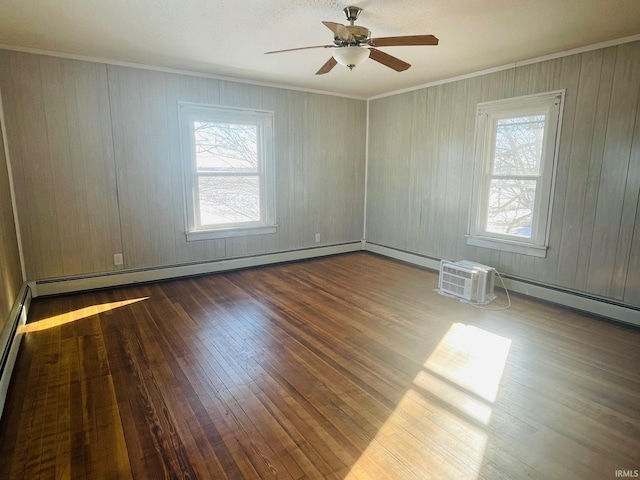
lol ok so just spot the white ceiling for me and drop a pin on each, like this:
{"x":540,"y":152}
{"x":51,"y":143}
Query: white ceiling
{"x":229,"y":37}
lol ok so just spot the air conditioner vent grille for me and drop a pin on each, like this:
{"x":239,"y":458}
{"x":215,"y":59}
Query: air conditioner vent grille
{"x":467,"y":280}
{"x":457,"y":271}
{"x":454,"y":284}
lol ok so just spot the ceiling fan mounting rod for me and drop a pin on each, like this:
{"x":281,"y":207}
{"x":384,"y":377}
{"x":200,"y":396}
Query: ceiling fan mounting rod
{"x":352,"y":13}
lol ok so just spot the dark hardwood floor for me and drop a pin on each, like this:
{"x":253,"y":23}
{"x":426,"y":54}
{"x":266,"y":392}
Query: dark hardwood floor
{"x":347,"y":367}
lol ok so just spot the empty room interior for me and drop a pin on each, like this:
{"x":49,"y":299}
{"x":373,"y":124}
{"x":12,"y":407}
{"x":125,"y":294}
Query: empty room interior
{"x":315,"y":239}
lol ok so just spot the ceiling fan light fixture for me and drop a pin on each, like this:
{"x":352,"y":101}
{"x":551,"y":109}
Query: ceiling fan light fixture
{"x":353,"y":44}
{"x":351,"y":57}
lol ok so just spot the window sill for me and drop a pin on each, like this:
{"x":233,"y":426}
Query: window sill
{"x":230,"y":232}
{"x":508,"y":246}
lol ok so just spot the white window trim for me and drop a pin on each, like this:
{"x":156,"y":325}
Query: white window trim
{"x":551,"y":103}
{"x":263,"y":119}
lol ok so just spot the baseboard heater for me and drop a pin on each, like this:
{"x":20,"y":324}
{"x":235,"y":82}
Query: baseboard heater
{"x":468,"y":281}
{"x":10,"y":340}
{"x":129,"y":277}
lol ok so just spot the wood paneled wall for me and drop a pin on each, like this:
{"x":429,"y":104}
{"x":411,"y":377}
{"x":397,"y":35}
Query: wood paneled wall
{"x":98,"y":168}
{"x":97,"y":171}
{"x":319,"y":150}
{"x":420,"y":171}
{"x":10,"y":269}
{"x":59,"y":129}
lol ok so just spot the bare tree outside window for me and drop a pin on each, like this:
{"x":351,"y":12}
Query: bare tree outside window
{"x":228,"y":172}
{"x":516,"y":148}
{"x":513,"y":179}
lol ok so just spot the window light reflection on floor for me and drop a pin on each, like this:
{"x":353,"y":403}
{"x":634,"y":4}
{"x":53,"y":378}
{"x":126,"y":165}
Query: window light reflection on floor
{"x":443,"y":418}
{"x":75,"y":315}
{"x":471,"y":358}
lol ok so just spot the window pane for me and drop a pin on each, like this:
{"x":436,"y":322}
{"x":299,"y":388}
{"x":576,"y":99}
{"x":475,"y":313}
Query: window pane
{"x":510,"y":209}
{"x":224,"y":147}
{"x":518,"y":148}
{"x":229,"y":199}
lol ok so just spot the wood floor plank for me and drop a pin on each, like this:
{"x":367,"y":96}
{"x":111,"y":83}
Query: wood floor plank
{"x":345,"y":367}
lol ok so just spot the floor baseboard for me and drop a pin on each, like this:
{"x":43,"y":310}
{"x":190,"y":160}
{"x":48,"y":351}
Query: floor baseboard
{"x":10,"y":340}
{"x":577,"y":300}
{"x":114,"y":279}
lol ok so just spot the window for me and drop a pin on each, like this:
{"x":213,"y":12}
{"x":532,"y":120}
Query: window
{"x":515,"y":152}
{"x":228,"y":167}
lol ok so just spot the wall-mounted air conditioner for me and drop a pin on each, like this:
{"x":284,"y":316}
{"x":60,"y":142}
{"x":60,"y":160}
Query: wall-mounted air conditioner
{"x":467,"y":280}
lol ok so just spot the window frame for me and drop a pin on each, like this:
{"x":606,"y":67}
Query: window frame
{"x":487,"y":116}
{"x":263,"y":120}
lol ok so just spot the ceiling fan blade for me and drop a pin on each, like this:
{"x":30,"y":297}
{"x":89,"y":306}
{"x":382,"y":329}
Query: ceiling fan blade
{"x":404,"y":41}
{"x":300,"y":48}
{"x":388,"y":60}
{"x":326,"y":68}
{"x":339,"y":31}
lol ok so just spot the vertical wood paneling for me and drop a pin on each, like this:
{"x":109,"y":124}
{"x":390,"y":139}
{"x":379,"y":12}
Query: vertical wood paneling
{"x":100,"y":168}
{"x":135,"y":171}
{"x":424,"y":164}
{"x":159,"y":165}
{"x":632,"y":291}
{"x":60,"y":137}
{"x":593,"y":239}
{"x":521,"y":80}
{"x":474,"y":86}
{"x":62,"y":123}
{"x":97,"y":185}
{"x":631,"y":190}
{"x":546,"y":269}
{"x":430,"y":213}
{"x":400,"y":124}
{"x":10,"y":269}
{"x":286,"y":152}
{"x":332,"y":163}
{"x":595,"y":167}
{"x":454,"y":167}
{"x":617,"y":151}
{"x":75,"y":215}
{"x":320,"y":179}
{"x":8,"y":103}
{"x":389,"y":133}
{"x":578,"y":164}
{"x":33,"y":173}
{"x":239,"y":95}
{"x":631,"y":223}
{"x":443,"y":103}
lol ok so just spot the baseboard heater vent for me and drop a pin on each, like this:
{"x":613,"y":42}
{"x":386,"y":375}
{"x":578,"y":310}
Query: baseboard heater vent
{"x":468,"y":281}
{"x":10,"y":340}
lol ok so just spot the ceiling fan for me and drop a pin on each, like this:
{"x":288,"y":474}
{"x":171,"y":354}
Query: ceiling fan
{"x":353,"y":45}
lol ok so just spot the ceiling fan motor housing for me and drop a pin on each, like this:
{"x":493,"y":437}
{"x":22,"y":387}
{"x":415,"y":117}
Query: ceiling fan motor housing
{"x":361,"y":34}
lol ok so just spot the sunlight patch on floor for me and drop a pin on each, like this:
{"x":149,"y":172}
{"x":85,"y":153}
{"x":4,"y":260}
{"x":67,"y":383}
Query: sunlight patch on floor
{"x":438,"y":429}
{"x":472,"y":358}
{"x":75,"y":315}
